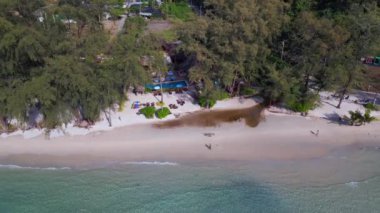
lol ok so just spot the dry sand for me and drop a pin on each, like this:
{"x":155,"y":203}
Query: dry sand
{"x":134,"y":138}
{"x":277,"y":138}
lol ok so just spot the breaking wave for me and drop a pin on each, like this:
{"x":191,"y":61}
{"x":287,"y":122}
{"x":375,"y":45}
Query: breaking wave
{"x":353,"y":184}
{"x":155,"y":163}
{"x":34,"y":168}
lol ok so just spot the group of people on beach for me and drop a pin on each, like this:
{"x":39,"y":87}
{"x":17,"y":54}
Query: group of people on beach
{"x":179,"y":102}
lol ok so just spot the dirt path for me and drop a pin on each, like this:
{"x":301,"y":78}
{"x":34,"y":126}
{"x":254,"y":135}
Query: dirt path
{"x":114,"y":27}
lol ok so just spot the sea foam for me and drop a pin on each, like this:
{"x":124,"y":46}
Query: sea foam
{"x":154,"y":163}
{"x":353,"y":184}
{"x":35,"y":168}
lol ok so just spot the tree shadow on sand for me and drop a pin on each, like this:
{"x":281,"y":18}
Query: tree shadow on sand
{"x":252,"y":117}
{"x":335,"y":118}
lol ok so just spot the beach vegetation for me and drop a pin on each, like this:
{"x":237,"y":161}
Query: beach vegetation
{"x":372,"y":106}
{"x":220,"y":95}
{"x":310,"y":102}
{"x":206,"y":102}
{"x":177,"y":9}
{"x":357,"y":118}
{"x":247,"y":91}
{"x":148,"y":112}
{"x":209,"y":99}
{"x":162,"y":112}
{"x":368,"y":118}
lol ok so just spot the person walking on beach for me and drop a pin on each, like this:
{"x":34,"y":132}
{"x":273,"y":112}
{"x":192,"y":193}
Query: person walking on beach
{"x":315,"y":133}
{"x":208,"y":146}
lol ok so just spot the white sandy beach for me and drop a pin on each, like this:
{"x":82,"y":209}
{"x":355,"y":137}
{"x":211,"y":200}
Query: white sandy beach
{"x":133,"y":138}
{"x":129,"y":116}
{"x":279,"y":137}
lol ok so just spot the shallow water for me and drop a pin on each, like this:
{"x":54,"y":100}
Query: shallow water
{"x":252,"y":117}
{"x":344,"y":181}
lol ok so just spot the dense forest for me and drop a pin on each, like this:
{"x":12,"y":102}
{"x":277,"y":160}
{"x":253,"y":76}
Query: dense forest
{"x":56,"y":57}
{"x":291,"y":50}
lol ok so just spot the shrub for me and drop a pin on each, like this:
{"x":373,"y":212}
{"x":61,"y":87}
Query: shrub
{"x":148,"y":112}
{"x":206,"y":102}
{"x":220,"y":95}
{"x":247,"y":91}
{"x":302,"y":107}
{"x":372,"y":106}
{"x":367,"y":116}
{"x":163,"y":112}
{"x":180,"y":10}
{"x":310,"y":102}
{"x":357,"y":118}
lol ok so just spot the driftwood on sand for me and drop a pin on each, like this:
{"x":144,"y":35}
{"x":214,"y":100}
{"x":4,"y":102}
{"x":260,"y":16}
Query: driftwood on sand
{"x":209,"y":134}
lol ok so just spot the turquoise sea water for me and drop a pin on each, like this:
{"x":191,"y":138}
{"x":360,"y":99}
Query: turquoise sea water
{"x":342,"y":182}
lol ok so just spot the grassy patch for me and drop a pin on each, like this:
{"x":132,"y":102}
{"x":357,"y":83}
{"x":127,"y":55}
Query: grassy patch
{"x":168,"y":35}
{"x":372,"y":107}
{"x":163,"y":113}
{"x":179,"y":10}
{"x":148,"y":112}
